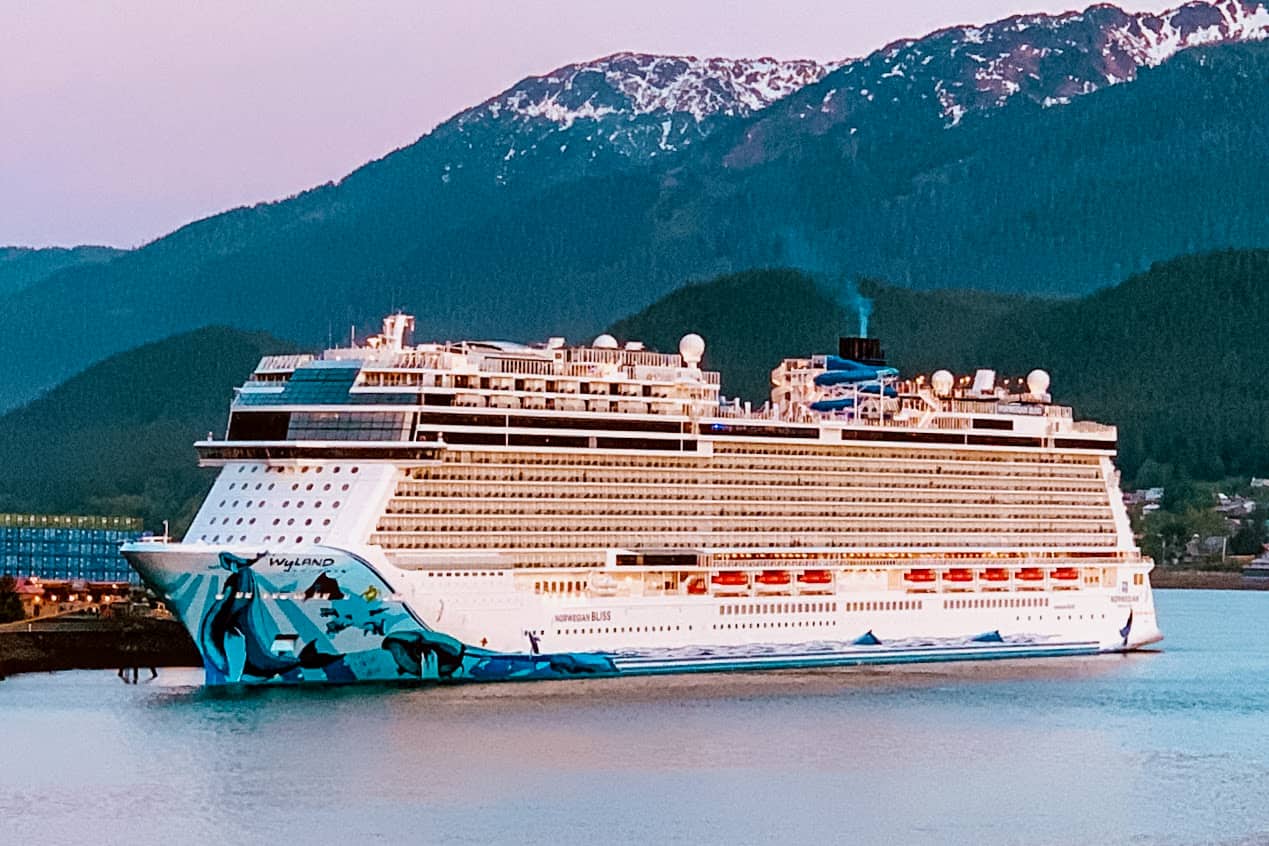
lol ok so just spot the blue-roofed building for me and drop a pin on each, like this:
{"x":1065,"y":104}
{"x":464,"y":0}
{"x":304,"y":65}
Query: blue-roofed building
{"x":71,"y":548}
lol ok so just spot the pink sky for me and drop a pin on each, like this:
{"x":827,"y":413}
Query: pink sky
{"x":122,"y":121}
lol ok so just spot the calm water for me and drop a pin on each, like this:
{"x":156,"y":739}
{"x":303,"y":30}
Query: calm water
{"x":1155,"y":748}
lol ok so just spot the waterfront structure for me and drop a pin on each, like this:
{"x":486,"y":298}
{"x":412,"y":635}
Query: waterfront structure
{"x":67,"y":548}
{"x":489,"y":511}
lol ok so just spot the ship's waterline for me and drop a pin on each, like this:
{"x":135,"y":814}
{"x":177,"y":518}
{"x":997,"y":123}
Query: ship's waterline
{"x":489,"y":511}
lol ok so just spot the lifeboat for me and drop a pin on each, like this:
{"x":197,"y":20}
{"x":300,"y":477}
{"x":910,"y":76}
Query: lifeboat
{"x":1066,"y":574}
{"x":773,"y":581}
{"x":919,"y":576}
{"x":815,"y":577}
{"x":996,"y":574}
{"x":696,"y":586}
{"x":731,"y":578}
{"x":959,"y":575}
{"x":1031,"y":574}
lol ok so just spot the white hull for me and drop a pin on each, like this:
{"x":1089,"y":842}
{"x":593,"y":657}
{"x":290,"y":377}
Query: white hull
{"x":360,"y":621}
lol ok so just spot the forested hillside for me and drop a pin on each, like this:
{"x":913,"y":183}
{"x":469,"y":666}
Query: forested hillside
{"x":22,"y":267}
{"x":117,"y":438}
{"x":1174,"y":356}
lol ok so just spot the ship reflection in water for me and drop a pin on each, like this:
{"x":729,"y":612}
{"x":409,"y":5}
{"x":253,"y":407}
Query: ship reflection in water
{"x":1158,"y":748}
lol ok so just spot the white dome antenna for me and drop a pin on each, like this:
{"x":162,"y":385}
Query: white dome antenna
{"x":692,"y":348}
{"x":604,"y":342}
{"x":1038,"y":383}
{"x":942,"y":381}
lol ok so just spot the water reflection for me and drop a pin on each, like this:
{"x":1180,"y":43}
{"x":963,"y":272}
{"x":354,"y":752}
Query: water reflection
{"x":1149,"y":748}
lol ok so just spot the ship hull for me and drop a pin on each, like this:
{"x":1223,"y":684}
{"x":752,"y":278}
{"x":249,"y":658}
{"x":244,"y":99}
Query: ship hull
{"x":327,"y":615}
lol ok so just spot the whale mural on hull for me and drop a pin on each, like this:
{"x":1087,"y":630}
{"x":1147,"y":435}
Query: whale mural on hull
{"x":340,"y":625}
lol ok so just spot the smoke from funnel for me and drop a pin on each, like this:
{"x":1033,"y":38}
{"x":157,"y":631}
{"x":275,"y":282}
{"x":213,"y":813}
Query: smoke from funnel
{"x":865,"y":311}
{"x":799,"y":254}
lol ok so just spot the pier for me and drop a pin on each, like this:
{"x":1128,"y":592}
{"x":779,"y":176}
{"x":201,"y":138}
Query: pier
{"x":83,"y":641}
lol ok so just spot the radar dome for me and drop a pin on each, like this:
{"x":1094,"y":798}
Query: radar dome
{"x":942,"y":381}
{"x":692,"y":348}
{"x":1038,"y":382}
{"x":604,"y":342}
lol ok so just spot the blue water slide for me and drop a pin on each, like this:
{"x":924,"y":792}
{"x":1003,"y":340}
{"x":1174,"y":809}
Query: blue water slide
{"x":875,"y":388}
{"x":845,"y":377}
{"x":833,"y":404}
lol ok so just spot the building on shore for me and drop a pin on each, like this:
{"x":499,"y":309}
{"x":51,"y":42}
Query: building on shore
{"x":67,"y":548}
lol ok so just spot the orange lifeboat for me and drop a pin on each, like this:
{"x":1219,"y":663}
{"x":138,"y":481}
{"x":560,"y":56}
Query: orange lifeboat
{"x":919,"y":576}
{"x":996,"y":574}
{"x":959,"y":575}
{"x":1066,"y":574}
{"x":731,"y":578}
{"x":815,"y":577}
{"x":696,"y":586}
{"x":773,"y":577}
{"x":1031,"y":574}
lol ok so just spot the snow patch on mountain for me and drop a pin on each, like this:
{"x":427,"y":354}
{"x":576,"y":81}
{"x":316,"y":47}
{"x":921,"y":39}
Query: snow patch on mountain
{"x":635,"y":84}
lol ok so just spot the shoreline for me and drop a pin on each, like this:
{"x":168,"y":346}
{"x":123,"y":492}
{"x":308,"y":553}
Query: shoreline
{"x":1161,"y":579}
{"x":75,"y":642}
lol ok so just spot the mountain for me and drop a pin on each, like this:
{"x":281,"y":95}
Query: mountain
{"x":1047,"y":60}
{"x":116,"y":439}
{"x":1005,"y":157}
{"x":22,"y":267}
{"x":1174,"y":356}
{"x":628,"y":107}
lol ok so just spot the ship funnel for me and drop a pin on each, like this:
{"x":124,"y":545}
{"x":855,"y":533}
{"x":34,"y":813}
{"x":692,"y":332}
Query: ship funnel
{"x":863,"y":350}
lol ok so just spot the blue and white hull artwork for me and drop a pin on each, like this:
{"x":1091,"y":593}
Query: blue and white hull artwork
{"x":322,"y":616}
{"x":326,"y":615}
{"x":490,"y":511}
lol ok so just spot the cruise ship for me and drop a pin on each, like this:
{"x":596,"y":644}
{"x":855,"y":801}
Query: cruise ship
{"x":489,"y":511}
